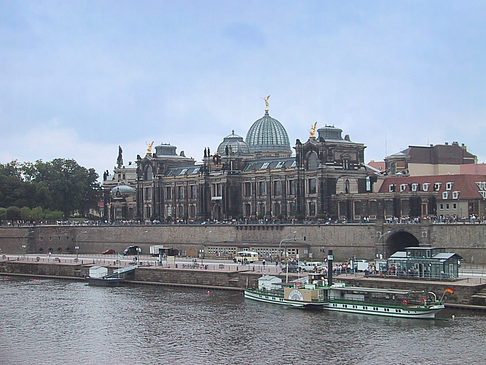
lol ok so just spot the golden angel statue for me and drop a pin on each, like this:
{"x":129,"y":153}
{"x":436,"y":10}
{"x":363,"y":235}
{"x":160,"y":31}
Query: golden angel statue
{"x":149,"y":147}
{"x":266,"y":102}
{"x":313,"y":130}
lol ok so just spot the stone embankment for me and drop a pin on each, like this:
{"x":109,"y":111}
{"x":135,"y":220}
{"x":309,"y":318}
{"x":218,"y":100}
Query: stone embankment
{"x":468,"y":293}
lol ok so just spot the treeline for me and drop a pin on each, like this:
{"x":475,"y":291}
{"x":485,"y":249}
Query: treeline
{"x":45,"y":190}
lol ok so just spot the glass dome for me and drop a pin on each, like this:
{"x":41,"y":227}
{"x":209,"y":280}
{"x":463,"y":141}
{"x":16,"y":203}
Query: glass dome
{"x":235,"y":144}
{"x":267,"y":134}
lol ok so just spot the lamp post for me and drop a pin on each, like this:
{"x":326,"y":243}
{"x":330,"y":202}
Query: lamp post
{"x":77,"y":252}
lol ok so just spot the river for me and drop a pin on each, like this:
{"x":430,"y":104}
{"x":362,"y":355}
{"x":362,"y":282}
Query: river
{"x":64,"y":322}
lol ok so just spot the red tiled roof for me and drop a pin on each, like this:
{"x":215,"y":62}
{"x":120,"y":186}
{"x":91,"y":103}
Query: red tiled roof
{"x":379,"y":165}
{"x":464,"y":184}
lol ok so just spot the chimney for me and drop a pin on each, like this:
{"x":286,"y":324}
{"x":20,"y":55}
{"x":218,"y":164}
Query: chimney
{"x":330,"y":259}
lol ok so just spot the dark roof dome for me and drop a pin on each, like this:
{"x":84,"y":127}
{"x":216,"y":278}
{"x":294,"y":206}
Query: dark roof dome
{"x":329,"y":132}
{"x":267,"y":134}
{"x":165,"y":150}
{"x":122,"y":190}
{"x":235,"y":144}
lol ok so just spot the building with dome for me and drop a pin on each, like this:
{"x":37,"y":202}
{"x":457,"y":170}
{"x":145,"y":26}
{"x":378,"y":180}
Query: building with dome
{"x":235,"y":145}
{"x":267,"y":137}
{"x":253,"y":178}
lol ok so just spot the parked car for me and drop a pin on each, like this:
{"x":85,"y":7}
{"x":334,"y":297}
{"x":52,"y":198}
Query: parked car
{"x":109,"y":252}
{"x":311,"y":266}
{"x":132,"y":250}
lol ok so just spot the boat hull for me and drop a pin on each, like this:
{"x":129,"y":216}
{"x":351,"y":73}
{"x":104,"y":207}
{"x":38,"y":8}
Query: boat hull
{"x":104,"y":281}
{"x":419,"y":312}
{"x":425,"y":312}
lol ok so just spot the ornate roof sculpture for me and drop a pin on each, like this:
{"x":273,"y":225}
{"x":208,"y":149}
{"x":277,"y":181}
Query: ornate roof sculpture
{"x":267,"y":136}
{"x":233,"y":144}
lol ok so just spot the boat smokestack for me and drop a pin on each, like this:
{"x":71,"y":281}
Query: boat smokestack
{"x":330,"y":258}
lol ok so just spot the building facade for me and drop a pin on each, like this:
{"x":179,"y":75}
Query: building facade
{"x":255,"y":178}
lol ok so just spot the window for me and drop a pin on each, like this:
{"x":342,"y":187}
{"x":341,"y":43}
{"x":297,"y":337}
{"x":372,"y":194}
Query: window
{"x":357,"y":208}
{"x":148,"y":174}
{"x":193,"y":192}
{"x":247,"y":209}
{"x":312,"y":186}
{"x":454,"y":206}
{"x":192,"y":211}
{"x":437,"y":186}
{"x":183,"y":171}
{"x":148,"y":193}
{"x":441,"y":206}
{"x":280,"y":164}
{"x":292,"y":208}
{"x":247,"y":189}
{"x":217,"y":189}
{"x":455,"y":195}
{"x":391,"y":188}
{"x":292,"y":187}
{"x":403,"y":187}
{"x":445,"y":194}
{"x":293,"y":164}
{"x":277,"y":187}
{"x":414,"y":186}
{"x":312,"y":208}
{"x":261,"y":187}
{"x":449,"y":185}
{"x":447,"y":206}
{"x":265,"y":165}
{"x":168,"y":192}
{"x":426,"y":186}
{"x":276,"y":209}
{"x":261,"y":208}
{"x":180,"y":192}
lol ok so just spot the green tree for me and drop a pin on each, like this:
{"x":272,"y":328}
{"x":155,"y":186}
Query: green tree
{"x":13,"y":213}
{"x":3,"y":214}
{"x":53,"y":215}
{"x":26,"y":213}
{"x":71,"y":187}
{"x":37,"y":214}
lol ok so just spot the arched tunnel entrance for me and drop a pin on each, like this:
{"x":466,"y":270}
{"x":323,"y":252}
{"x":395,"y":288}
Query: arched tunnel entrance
{"x":397,"y":241}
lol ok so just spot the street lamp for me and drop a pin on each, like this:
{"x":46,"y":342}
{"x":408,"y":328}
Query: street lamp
{"x":77,"y":252}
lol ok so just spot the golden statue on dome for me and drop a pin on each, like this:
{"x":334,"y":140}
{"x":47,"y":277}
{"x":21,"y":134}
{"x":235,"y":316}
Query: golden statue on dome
{"x":266,"y":102}
{"x":149,"y":148}
{"x":313,"y":131}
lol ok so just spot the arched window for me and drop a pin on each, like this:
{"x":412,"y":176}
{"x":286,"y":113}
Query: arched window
{"x":346,"y":187}
{"x":312,"y":161}
{"x":148,"y":173}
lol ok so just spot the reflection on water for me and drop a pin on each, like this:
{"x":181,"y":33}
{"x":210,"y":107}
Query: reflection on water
{"x":62,"y":322}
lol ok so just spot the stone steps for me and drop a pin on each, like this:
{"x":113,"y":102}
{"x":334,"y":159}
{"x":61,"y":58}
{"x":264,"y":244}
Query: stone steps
{"x":479,"y":298}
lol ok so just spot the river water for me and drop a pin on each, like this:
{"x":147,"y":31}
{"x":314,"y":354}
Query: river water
{"x":63,"y":322}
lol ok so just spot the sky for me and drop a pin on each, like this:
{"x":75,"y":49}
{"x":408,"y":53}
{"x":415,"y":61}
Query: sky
{"x":80,"y":78}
